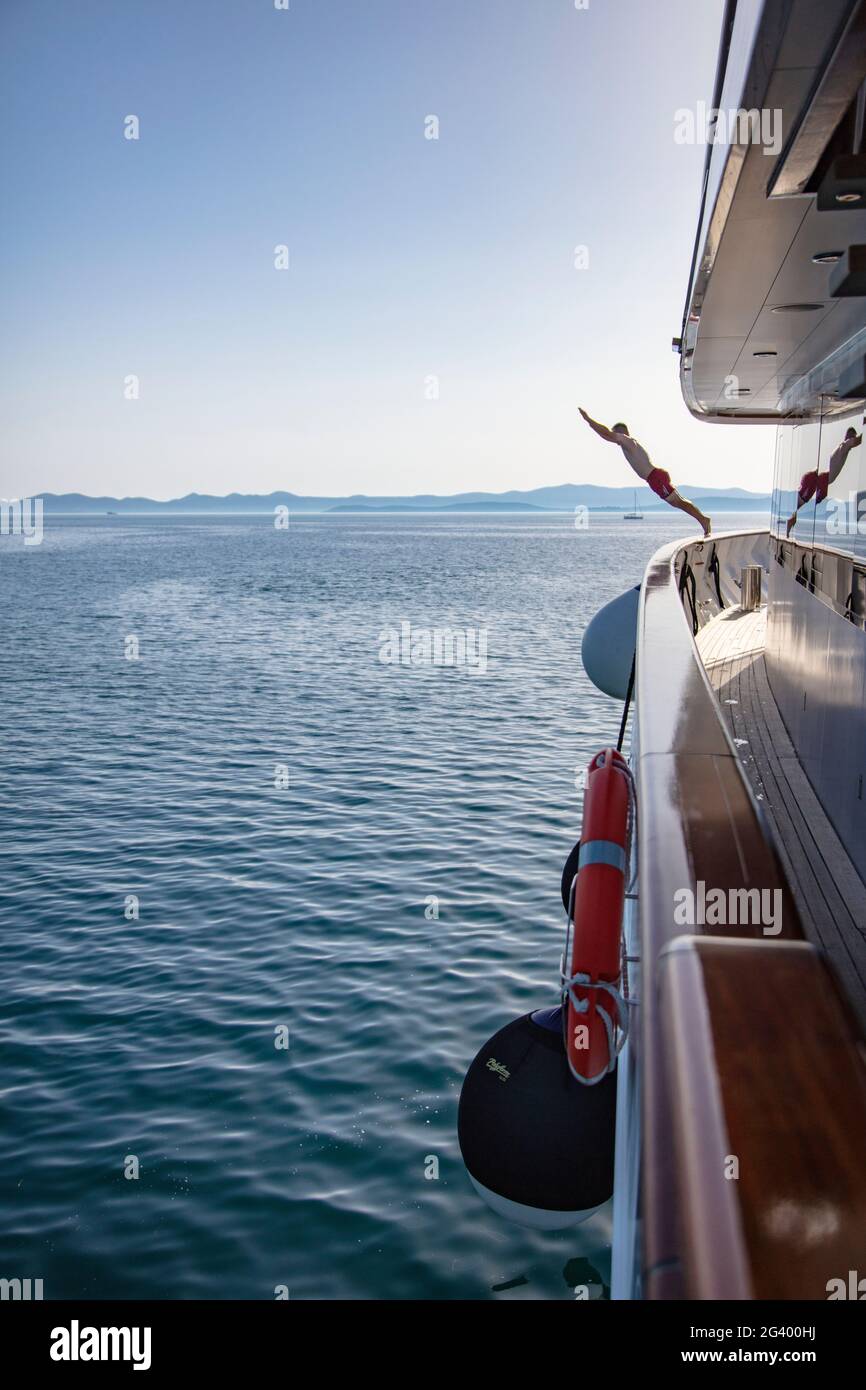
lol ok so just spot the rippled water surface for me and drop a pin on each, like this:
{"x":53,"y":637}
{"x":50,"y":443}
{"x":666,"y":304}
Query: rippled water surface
{"x":262,"y":906}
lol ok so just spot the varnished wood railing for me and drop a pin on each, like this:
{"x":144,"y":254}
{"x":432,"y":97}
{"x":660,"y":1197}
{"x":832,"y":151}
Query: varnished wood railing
{"x":751,"y":1186}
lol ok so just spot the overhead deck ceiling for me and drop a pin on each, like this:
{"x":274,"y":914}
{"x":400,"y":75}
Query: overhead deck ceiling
{"x":755,"y":249}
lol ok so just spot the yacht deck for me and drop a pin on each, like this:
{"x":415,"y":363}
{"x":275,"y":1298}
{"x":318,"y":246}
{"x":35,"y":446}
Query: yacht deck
{"x":829,"y":893}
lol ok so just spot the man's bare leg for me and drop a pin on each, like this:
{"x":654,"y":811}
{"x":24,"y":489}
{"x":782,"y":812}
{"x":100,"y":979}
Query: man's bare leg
{"x":683,"y":505}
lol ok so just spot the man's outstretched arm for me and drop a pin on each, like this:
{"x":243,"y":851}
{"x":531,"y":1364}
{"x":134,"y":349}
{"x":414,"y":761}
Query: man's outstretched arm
{"x":601,"y":430}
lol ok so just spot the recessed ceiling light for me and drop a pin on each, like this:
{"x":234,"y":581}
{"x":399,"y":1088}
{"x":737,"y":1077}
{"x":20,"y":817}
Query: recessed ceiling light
{"x":796,"y":308}
{"x":766,"y":352}
{"x":827,"y":257}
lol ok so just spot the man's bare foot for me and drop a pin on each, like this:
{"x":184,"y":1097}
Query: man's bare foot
{"x":792,"y":521}
{"x":707,"y":524}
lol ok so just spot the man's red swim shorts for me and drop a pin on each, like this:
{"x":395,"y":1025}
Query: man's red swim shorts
{"x":812,"y":485}
{"x":660,"y":482}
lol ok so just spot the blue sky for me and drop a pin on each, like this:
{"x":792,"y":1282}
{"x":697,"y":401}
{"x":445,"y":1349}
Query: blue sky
{"x":410,"y":258}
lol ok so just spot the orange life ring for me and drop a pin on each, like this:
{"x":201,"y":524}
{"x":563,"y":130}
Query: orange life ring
{"x":596,"y":1013}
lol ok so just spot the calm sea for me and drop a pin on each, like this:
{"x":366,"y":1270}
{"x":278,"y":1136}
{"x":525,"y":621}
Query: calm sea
{"x":228,"y":828}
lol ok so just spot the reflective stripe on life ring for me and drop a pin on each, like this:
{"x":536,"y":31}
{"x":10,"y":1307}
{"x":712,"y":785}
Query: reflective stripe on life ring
{"x":603,"y":852}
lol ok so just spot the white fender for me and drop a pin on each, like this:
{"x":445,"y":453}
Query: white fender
{"x":609,"y":644}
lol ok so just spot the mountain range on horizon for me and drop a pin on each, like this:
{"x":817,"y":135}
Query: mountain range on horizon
{"x":563,"y":497}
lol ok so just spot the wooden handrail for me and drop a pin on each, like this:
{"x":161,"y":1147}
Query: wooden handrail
{"x":769,"y":1117}
{"x":700,"y":822}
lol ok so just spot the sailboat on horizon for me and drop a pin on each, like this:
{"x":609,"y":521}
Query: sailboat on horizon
{"x":633,"y":515}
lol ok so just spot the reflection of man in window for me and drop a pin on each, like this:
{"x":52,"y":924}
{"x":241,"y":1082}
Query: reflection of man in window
{"x":816,"y":484}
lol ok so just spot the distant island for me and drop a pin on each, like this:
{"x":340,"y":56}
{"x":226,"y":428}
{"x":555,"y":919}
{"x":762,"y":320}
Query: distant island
{"x":447,"y":507}
{"x":562,"y":498}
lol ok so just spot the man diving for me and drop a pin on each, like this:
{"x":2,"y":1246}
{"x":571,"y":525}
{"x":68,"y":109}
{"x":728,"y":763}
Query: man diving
{"x":816,"y":484}
{"x":656,"y":478}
